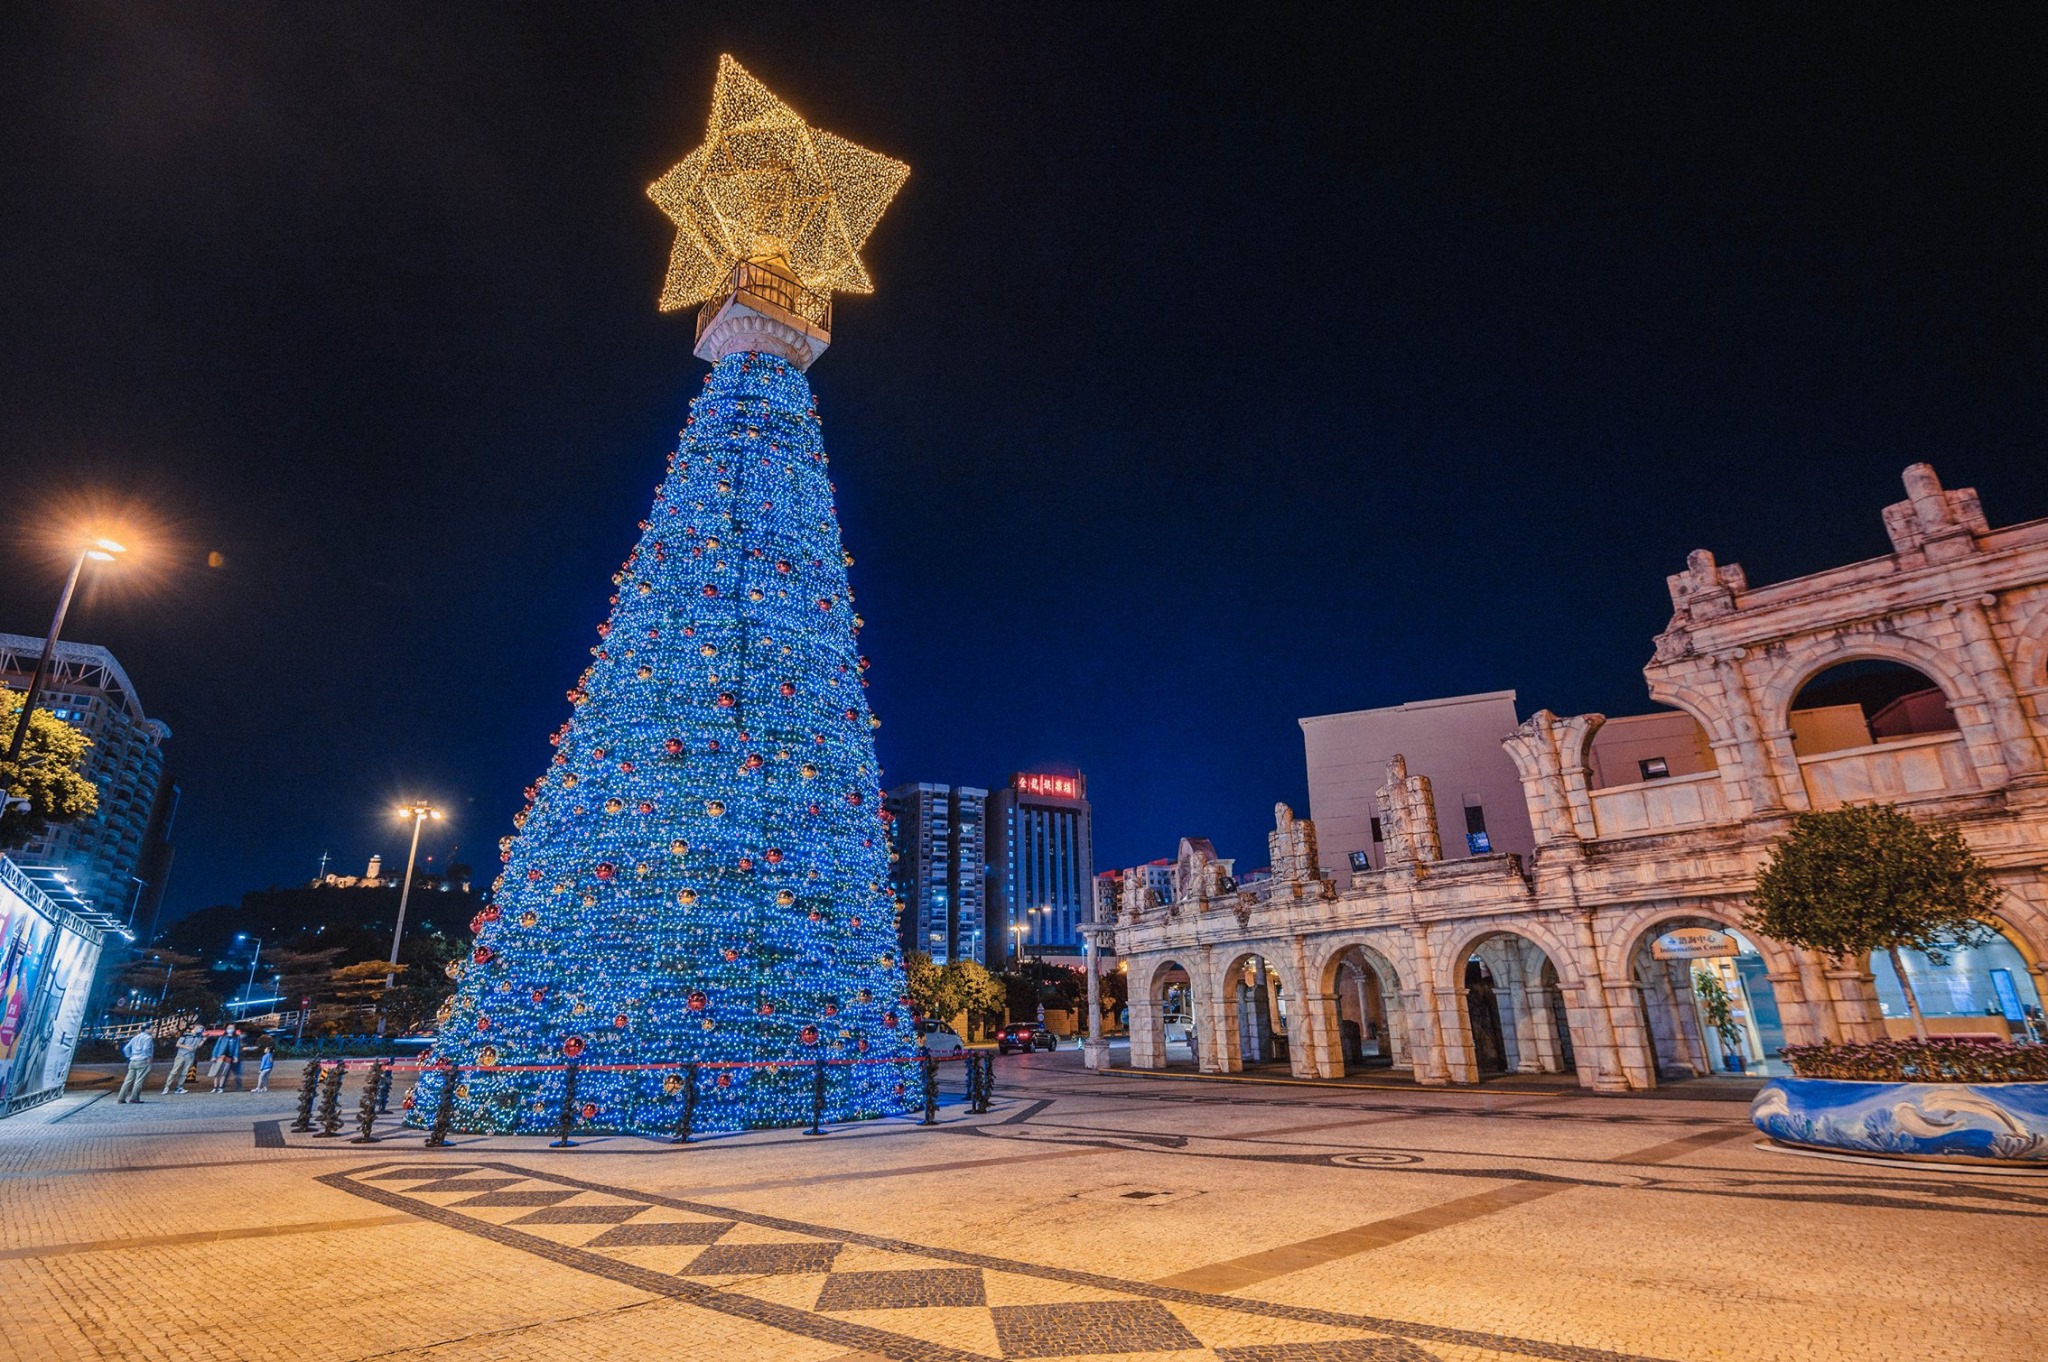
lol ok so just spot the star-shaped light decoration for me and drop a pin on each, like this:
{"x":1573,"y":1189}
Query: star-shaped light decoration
{"x":767,"y":186}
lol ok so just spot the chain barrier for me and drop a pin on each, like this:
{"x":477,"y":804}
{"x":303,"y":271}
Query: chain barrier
{"x":366,"y":1106}
{"x":444,"y":1110}
{"x":689,"y":1116}
{"x":309,"y":1082}
{"x":568,"y":1118}
{"x":330,"y":1102}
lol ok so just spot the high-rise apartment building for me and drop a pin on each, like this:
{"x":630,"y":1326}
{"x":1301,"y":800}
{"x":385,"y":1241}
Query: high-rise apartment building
{"x":1041,"y":865}
{"x":115,"y":859}
{"x":939,"y":836}
{"x":1109,"y":886}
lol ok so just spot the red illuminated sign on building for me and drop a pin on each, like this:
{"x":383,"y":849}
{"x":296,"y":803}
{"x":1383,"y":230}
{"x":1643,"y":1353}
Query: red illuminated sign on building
{"x":1060,"y":787}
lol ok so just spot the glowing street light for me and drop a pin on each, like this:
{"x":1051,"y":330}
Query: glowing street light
{"x":95,"y":550}
{"x":419,"y":811}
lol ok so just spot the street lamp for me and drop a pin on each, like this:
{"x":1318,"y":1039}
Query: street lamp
{"x":93,"y":550}
{"x":1017,"y":931}
{"x":419,"y":811}
{"x":249,"y":989}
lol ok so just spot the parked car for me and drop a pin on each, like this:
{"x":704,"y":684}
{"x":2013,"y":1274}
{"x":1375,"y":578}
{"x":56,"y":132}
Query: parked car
{"x":939,"y":1039}
{"x":1025,"y":1036}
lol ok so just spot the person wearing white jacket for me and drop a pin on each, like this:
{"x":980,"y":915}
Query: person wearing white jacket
{"x":141,"y":1052}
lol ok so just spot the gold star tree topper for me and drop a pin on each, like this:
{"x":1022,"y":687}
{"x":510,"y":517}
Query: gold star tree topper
{"x":767,"y":186}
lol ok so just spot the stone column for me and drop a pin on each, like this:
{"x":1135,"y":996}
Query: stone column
{"x":1689,"y":1054}
{"x":1148,"y":1034}
{"x":1820,"y":1002}
{"x":1315,"y":1046}
{"x":1094,"y":1050}
{"x":1600,"y":1050}
{"x":1994,"y":678}
{"x":1549,"y":1053}
{"x":1515,"y":978}
{"x":1431,"y":1060}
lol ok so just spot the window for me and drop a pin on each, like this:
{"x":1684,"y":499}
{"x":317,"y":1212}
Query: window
{"x":1376,"y":831}
{"x":1476,"y":840}
{"x":1654,"y":768}
{"x":1361,"y":862}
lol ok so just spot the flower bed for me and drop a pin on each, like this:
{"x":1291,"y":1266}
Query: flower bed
{"x":1922,"y":1061}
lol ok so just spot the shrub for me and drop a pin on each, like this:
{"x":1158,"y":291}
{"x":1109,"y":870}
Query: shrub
{"x":1922,"y":1061}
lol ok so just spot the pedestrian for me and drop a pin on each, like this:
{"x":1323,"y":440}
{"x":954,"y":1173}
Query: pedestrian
{"x":181,"y":1061}
{"x":217,"y":1059}
{"x":141,"y":1052}
{"x":229,"y":1052}
{"x":264,"y":1066}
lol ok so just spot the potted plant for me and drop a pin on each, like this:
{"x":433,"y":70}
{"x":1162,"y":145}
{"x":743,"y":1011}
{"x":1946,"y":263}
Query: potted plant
{"x":1865,"y":878}
{"x":1720,"y":1009}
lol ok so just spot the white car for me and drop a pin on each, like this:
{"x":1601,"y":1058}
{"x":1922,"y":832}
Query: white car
{"x":1179,"y":1026}
{"x":939,"y":1039}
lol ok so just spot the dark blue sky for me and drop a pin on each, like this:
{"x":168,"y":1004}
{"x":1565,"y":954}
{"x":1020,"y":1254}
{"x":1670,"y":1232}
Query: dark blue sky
{"x":1219,"y":373}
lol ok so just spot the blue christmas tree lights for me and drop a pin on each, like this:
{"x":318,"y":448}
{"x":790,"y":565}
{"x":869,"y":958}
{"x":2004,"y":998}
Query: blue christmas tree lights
{"x":701,"y":873}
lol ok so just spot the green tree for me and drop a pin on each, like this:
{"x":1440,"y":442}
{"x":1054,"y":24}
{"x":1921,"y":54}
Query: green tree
{"x":921,"y":983}
{"x":972,"y":987}
{"x":944,"y":992}
{"x":1866,"y":877}
{"x":45,"y":786}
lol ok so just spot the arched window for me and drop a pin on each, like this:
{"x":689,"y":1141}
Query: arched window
{"x":1867,"y":701}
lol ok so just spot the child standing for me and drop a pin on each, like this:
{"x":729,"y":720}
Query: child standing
{"x":263,"y":1067}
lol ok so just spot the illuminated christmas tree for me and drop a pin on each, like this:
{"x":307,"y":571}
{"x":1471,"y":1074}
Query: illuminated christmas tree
{"x":700,"y":875}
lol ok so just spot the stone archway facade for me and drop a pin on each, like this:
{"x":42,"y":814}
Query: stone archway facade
{"x":1963,"y":603}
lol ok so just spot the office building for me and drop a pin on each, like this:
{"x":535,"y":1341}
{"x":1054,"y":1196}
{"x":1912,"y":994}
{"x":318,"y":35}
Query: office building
{"x":1041,"y":857}
{"x":1454,"y":741}
{"x":939,"y":836}
{"x":114,"y":860}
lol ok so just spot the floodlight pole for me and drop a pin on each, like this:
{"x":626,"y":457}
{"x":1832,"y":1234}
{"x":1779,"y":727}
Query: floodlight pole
{"x":35,"y":681}
{"x":419,"y":814}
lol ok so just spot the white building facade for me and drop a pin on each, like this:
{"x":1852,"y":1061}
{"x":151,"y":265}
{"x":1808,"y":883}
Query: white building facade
{"x":1587,"y":955}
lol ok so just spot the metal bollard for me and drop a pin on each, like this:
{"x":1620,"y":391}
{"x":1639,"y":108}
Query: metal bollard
{"x":366,"y":1106}
{"x":309,"y":1081}
{"x":567,"y":1122}
{"x":330,"y":1101}
{"x":384,"y":1091}
{"x":931,"y":1090}
{"x":682,"y":1135}
{"x":817,"y":1096}
{"x":444,"y":1110}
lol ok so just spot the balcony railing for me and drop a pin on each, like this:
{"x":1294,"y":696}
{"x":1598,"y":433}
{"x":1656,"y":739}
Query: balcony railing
{"x":755,"y":282}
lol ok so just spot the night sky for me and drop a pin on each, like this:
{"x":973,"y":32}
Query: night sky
{"x":1219,"y":372}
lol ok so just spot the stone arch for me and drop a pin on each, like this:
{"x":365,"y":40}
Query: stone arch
{"x":1662,"y":1034}
{"x":1148,"y":1021}
{"x":1498,"y":1012}
{"x":1808,"y":658}
{"x":1374,"y":1002}
{"x":1706,"y":710}
{"x":1241,"y":1023}
{"x":2010,"y":932}
{"x":1627,"y":931}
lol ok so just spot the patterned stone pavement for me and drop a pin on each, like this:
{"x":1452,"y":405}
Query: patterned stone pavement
{"x":1085,"y":1217}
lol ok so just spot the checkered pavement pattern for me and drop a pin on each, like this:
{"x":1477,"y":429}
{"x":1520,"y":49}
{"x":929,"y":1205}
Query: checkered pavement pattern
{"x":889,"y":1298}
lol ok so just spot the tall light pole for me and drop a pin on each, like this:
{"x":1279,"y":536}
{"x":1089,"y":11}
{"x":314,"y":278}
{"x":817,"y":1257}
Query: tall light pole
{"x":249,"y":989}
{"x":96,"y":551}
{"x":419,"y":811}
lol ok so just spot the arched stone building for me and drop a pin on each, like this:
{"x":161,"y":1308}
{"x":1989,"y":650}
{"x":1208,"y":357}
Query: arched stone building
{"x":1452,"y":967}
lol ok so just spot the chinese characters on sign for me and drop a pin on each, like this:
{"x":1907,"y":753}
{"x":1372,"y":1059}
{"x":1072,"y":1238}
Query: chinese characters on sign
{"x":1062,"y":787}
